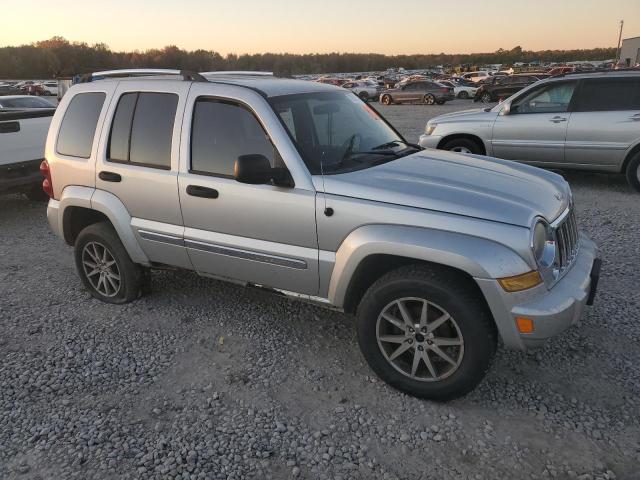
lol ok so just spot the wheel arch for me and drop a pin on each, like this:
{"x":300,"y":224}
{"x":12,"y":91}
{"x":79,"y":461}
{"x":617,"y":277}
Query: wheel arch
{"x":635,"y":149}
{"x":373,"y":250}
{"x":468,"y":136}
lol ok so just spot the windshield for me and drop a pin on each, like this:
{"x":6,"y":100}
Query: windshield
{"x":336,"y":132}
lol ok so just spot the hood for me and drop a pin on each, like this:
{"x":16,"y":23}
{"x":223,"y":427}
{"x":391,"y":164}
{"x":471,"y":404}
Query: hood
{"x":470,"y":185}
{"x":474,"y":114}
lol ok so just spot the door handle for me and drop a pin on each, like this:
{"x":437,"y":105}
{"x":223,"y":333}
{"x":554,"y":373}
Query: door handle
{"x":635,"y":117}
{"x":203,"y":192}
{"x":558,"y":119}
{"x":109,"y":176}
{"x":9,"y":127}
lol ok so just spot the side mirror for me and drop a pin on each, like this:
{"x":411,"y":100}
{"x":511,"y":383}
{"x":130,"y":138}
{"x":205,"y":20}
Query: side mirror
{"x":255,"y":169}
{"x":506,"y":109}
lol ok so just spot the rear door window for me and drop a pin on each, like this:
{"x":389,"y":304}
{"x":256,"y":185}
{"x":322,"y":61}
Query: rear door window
{"x":142,"y":129}
{"x":608,"y":94}
{"x":79,"y":123}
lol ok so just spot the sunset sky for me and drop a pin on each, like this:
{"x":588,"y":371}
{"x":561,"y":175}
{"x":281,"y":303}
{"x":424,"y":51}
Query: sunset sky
{"x":250,"y":26}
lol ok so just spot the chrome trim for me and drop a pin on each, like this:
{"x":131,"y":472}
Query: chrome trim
{"x":247,"y":254}
{"x":161,"y":237}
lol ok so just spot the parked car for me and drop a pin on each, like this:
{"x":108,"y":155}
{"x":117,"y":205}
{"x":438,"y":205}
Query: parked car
{"x":23,"y":102}
{"x":48,"y":88}
{"x":560,"y":70}
{"x":476,"y":76}
{"x":460,"y":89}
{"x":499,"y":88}
{"x":426,"y":92}
{"x":316,"y":196}
{"x":365,"y":89}
{"x":22,"y":140}
{"x":587,"y":121}
{"x":9,"y":90}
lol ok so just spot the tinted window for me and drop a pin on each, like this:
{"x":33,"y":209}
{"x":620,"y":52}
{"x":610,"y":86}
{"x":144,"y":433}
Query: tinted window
{"x":26,"y":102}
{"x":551,"y":98}
{"x":142,"y":129}
{"x":78,"y":128}
{"x":152,"y":129}
{"x":221,"y":132}
{"x":121,"y":128}
{"x":609,"y":94}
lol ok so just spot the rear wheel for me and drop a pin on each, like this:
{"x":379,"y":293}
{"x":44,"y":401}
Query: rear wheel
{"x":463,"y":94}
{"x":426,"y":332}
{"x":633,"y":172}
{"x":462,"y":145}
{"x":486,"y":98}
{"x":386,"y":99}
{"x":104,"y":266}
{"x":364,"y":96}
{"x":428,"y":99}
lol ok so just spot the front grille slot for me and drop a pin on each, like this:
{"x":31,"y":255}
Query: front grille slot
{"x":567,"y":238}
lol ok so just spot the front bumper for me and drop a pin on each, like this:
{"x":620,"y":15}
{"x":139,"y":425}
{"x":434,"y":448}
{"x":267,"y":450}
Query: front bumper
{"x":552,"y":310}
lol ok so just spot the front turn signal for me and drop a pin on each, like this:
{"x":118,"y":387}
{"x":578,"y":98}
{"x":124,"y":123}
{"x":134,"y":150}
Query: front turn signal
{"x":520,"y":282}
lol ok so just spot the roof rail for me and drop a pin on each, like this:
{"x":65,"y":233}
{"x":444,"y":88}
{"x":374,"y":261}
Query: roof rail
{"x":248,"y":73}
{"x":600,"y":70}
{"x":141,"y":72}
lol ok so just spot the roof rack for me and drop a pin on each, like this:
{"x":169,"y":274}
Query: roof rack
{"x":141,"y":72}
{"x":238,"y":73}
{"x":602,"y":70}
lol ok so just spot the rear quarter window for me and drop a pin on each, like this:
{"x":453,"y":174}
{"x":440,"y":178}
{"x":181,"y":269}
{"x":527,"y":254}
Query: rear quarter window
{"x":78,"y":128}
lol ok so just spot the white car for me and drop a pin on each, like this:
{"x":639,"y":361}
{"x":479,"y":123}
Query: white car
{"x":459,"y":90}
{"x":50,"y":88}
{"x":476,"y":76}
{"x":365,"y":89}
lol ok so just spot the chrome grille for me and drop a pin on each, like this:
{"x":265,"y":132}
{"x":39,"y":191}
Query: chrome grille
{"x":567,"y":239}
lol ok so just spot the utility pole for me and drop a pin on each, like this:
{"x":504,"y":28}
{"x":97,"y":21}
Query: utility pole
{"x":619,"y":41}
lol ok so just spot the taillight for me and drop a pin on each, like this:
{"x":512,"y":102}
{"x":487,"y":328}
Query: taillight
{"x":47,"y":183}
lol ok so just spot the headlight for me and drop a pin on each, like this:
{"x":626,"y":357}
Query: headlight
{"x":430,"y":128}
{"x":543,"y":244}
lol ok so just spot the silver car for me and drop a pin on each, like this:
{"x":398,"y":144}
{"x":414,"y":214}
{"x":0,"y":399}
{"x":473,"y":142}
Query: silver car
{"x":304,"y":189}
{"x":588,"y":121}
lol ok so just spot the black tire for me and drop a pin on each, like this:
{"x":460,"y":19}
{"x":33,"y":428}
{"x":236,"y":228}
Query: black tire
{"x":429,"y":99}
{"x":36,"y":194}
{"x":131,"y":275}
{"x":364,"y":96}
{"x":386,"y":99}
{"x":463,"y":95}
{"x":633,"y":172}
{"x":486,"y":97}
{"x":455,"y":294}
{"x":440,"y":102}
{"x":462,"y":145}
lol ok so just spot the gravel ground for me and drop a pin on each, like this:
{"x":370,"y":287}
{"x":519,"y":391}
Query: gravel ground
{"x":202,"y":379}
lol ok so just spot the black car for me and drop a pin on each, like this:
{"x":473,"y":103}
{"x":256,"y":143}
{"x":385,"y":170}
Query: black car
{"x":501,"y":87}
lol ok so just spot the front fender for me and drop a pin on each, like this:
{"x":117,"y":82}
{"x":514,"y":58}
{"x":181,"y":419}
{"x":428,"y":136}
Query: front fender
{"x":478,"y":257}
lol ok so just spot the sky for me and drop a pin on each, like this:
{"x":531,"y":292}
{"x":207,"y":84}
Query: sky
{"x":320,"y":26}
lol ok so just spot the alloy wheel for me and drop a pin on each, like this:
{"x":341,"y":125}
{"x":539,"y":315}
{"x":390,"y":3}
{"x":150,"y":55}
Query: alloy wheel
{"x":420,"y":339}
{"x":101,"y":269}
{"x":460,"y":149}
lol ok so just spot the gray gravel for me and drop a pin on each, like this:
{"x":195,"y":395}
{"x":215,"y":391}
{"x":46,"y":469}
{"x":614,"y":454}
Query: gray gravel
{"x":202,"y":379}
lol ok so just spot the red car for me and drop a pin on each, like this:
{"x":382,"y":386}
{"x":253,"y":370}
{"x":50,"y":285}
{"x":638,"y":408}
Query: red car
{"x":560,"y":70}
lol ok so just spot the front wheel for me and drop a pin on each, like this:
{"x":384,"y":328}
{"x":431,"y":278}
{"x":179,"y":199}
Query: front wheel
{"x":427,"y":332}
{"x":463,"y":95}
{"x":364,"y":96}
{"x":104,"y":266}
{"x":486,"y":98}
{"x":633,"y":172}
{"x":462,"y":145}
{"x":429,"y":99}
{"x":386,"y":99}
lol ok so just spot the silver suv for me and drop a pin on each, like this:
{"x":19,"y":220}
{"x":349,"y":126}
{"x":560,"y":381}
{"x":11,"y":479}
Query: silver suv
{"x":588,"y":121}
{"x":303,"y":188}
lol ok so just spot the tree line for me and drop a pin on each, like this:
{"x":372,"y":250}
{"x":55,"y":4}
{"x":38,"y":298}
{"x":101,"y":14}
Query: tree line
{"x":57,"y":57}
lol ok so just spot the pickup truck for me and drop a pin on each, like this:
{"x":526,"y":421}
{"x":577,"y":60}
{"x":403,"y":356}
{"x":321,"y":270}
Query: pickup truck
{"x":23,"y":134}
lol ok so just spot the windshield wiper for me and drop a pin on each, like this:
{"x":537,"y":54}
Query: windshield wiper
{"x":396,"y":142}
